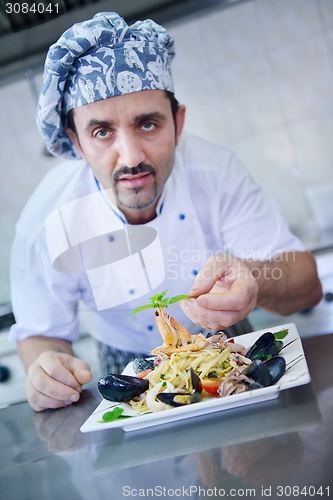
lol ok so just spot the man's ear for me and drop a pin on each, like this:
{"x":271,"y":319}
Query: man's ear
{"x":73,"y":137}
{"x":180,"y":120}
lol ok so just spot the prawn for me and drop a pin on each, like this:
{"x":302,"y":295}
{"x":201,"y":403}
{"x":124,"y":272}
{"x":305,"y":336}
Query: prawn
{"x":175,"y":336}
{"x":172,"y":332}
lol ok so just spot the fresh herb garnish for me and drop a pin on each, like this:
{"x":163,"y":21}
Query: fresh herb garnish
{"x":212,"y":374}
{"x":115,"y":414}
{"x":159,"y":300}
{"x":281,"y":334}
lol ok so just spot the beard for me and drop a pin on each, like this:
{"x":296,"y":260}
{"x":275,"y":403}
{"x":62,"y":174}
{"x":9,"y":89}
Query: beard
{"x":138,"y":197}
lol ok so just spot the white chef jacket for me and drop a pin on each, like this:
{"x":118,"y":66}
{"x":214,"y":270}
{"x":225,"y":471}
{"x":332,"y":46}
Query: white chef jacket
{"x":210,"y":204}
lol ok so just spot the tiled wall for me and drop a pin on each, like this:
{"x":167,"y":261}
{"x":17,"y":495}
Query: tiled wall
{"x":256,"y":77}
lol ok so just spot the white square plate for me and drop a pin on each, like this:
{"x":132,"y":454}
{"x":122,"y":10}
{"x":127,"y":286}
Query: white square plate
{"x":296,"y":374}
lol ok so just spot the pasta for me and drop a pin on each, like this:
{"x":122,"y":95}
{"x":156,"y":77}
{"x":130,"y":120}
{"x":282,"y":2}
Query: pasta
{"x":179,"y":357}
{"x":173,"y":374}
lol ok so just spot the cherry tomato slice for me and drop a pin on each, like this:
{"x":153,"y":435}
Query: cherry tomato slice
{"x":143,"y":373}
{"x":211,"y":385}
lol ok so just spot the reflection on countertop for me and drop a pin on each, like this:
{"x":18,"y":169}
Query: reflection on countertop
{"x":283,"y":442}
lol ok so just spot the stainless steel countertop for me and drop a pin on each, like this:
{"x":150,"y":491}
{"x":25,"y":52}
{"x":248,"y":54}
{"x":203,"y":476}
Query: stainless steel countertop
{"x":276,"y":449}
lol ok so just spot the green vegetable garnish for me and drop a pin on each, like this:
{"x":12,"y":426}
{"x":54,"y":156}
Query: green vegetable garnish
{"x":115,"y":414}
{"x":281,"y":334}
{"x":159,"y":300}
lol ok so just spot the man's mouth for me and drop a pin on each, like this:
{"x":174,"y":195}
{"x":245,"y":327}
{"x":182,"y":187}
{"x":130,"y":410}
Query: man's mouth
{"x":134,"y":181}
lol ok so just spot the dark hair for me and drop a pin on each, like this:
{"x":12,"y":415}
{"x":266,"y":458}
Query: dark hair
{"x":70,"y":121}
{"x":174,"y":105}
{"x":173,"y":102}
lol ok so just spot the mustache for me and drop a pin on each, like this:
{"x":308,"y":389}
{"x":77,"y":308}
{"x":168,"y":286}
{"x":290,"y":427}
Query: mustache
{"x":139,"y":169}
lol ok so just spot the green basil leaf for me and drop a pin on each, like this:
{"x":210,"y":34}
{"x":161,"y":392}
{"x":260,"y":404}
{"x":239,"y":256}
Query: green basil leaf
{"x":177,"y":298}
{"x":141,"y":308}
{"x":166,"y":302}
{"x":109,"y":416}
{"x":281,"y":334}
{"x":158,"y":299}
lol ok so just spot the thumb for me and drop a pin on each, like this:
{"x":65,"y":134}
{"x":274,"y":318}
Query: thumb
{"x":214,"y":269}
{"x":81,"y":371}
{"x":207,"y":277}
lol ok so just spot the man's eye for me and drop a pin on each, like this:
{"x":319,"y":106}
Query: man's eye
{"x":148,"y":126}
{"x":102,"y":133}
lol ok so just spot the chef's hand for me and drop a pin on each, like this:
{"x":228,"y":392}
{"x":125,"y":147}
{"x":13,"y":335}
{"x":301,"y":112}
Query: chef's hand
{"x":224,"y":292}
{"x":55,"y":379}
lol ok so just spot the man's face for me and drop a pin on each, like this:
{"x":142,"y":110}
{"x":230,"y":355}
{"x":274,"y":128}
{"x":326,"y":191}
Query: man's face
{"x":129,"y":142}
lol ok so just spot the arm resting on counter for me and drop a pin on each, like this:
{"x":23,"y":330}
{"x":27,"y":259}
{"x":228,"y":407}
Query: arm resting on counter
{"x":288,"y":283}
{"x":227,"y":289}
{"x":29,"y":349}
{"x":54,"y":374}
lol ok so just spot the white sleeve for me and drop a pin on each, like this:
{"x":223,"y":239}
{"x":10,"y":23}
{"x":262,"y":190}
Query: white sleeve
{"x":45,"y":302}
{"x":251,"y":223}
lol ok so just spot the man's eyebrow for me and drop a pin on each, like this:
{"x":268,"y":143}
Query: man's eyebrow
{"x":93,"y":123}
{"x":146,"y":117}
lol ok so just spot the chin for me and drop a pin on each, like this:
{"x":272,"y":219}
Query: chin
{"x":137,"y":203}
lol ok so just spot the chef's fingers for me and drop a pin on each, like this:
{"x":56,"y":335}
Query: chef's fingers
{"x":64,"y":368}
{"x":222,"y":310}
{"x":208,"y":318}
{"x":40,"y":402}
{"x":80,"y":370}
{"x":241,"y":296}
{"x":48,"y":392}
{"x":215,"y":267}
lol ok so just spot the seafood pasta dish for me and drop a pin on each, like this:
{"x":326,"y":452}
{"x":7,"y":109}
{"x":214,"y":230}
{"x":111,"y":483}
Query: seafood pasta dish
{"x":187,"y":368}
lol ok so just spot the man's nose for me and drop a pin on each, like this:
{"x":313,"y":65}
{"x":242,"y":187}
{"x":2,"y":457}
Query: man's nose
{"x":130,"y":150}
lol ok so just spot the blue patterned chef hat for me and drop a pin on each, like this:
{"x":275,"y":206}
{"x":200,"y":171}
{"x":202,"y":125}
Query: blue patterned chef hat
{"x":97,"y":59}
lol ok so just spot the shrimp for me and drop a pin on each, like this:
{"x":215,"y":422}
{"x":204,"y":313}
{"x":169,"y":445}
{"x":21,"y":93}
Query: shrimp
{"x":175,"y":336}
{"x":172,"y":332}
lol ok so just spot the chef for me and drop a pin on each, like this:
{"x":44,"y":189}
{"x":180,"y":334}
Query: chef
{"x":137,"y":208}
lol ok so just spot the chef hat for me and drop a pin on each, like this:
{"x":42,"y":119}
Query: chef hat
{"x":96,"y":59}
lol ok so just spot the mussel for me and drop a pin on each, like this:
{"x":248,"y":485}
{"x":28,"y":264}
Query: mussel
{"x":277,"y":367}
{"x":140,"y":364}
{"x":182,"y":399}
{"x":265,"y":347}
{"x":265,"y":373}
{"x":121,"y":388}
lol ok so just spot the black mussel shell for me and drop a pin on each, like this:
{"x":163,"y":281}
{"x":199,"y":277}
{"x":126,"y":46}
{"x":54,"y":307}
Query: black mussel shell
{"x":176,"y":398}
{"x":140,"y":364}
{"x":277,"y":367}
{"x":197,"y":386}
{"x":121,"y":388}
{"x":258,"y":372}
{"x":182,"y":399}
{"x":261,"y":345}
{"x":265,"y":373}
{"x":274,"y":349}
